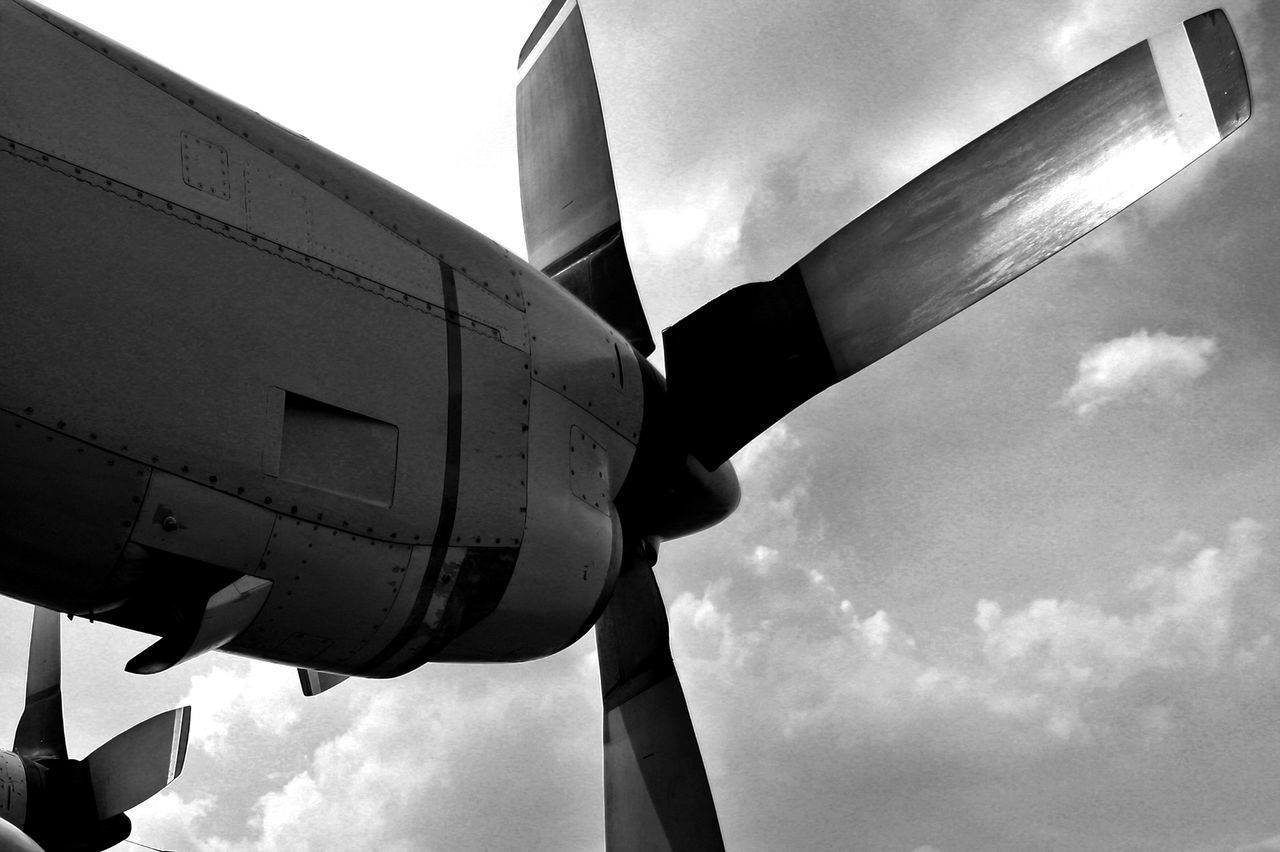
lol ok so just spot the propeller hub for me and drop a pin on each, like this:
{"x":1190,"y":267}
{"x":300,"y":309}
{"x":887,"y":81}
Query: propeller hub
{"x":668,"y":492}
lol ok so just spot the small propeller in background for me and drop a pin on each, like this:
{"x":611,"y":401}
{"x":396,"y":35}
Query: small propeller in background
{"x":40,"y":733}
{"x":62,"y":805}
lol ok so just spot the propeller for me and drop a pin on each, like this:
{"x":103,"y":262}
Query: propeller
{"x":61,"y":805}
{"x":40,"y":734}
{"x":999,"y":206}
{"x":974,"y":222}
{"x":655,"y":786}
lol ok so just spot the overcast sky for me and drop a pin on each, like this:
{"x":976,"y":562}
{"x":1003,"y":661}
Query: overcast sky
{"x":1013,"y":587}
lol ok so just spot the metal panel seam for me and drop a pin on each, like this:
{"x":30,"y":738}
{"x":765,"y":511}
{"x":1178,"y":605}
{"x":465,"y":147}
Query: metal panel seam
{"x":449,"y":498}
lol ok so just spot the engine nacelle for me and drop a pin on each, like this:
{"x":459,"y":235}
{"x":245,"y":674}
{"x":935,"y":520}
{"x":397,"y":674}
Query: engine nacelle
{"x":572,"y":546}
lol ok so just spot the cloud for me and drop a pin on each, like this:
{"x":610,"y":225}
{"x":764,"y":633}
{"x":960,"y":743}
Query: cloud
{"x":1056,"y":655}
{"x":370,"y":769}
{"x":763,"y":558}
{"x":1053,"y":670}
{"x":1147,"y":695}
{"x":172,"y":817}
{"x":1151,"y":366}
{"x":259,"y":696}
{"x":396,"y":765}
{"x":760,"y":455}
{"x":1271,"y":844}
{"x":1079,"y":30}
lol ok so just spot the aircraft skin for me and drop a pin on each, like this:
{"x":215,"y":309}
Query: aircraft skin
{"x":257,"y":398}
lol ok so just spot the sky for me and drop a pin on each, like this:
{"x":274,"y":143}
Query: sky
{"x":1012,"y":587}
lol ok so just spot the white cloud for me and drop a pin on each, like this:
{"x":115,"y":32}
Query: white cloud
{"x":370,"y":769}
{"x":1271,"y":844}
{"x":1153,"y":366}
{"x":775,"y":477}
{"x":172,"y":817}
{"x":397,"y":765}
{"x":261,"y":696}
{"x":1054,"y":666}
{"x":759,"y":456}
{"x":763,"y":558}
{"x":1058,"y":654}
{"x":1081,"y":28}
{"x":1049,"y":661}
{"x":703,"y":631}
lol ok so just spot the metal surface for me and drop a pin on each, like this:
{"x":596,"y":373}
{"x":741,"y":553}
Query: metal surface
{"x":13,"y":789}
{"x":983,"y":216}
{"x":40,"y":731}
{"x":13,"y":840}
{"x":132,"y":767}
{"x":69,"y":509}
{"x":226,"y":614}
{"x":181,"y":517}
{"x":567,"y":195}
{"x":657,"y":796}
{"x":569,"y":557}
{"x":492,"y":445}
{"x":579,"y":357}
{"x":377,"y":212}
{"x":145,"y":324}
{"x":599,"y":276}
{"x":589,"y":471}
{"x":566,"y":176}
{"x":315,"y":682}
{"x":325,"y":583}
{"x":371,"y":392}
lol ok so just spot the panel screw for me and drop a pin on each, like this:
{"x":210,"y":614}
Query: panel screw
{"x":170,"y":523}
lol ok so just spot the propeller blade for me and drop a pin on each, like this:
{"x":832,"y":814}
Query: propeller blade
{"x":656,"y":791}
{"x":571,"y":220}
{"x":988,"y":213}
{"x":40,"y":731}
{"x":132,"y":767}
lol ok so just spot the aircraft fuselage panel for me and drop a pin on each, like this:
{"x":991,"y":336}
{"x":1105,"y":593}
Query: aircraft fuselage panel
{"x":229,"y":353}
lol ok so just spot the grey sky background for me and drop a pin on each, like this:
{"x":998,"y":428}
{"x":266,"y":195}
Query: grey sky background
{"x":1013,"y":587}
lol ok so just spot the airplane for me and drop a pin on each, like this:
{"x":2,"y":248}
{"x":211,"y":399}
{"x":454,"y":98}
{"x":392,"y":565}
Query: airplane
{"x":441,"y":455}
